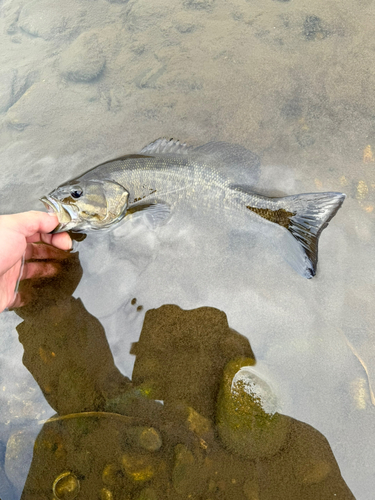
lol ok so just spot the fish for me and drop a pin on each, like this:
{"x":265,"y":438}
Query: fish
{"x":166,"y":173}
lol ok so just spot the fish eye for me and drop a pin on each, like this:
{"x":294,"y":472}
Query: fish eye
{"x":76,"y":192}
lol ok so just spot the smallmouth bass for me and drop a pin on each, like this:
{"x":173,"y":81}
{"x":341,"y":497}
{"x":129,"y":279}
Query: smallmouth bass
{"x":166,"y":173}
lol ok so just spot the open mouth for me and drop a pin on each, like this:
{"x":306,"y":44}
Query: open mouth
{"x":50,"y":204}
{"x":55,"y":207}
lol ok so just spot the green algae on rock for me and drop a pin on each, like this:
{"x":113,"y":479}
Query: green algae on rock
{"x":243,"y":424}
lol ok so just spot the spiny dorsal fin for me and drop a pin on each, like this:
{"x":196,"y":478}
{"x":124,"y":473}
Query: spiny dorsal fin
{"x":166,"y":146}
{"x":231,"y":160}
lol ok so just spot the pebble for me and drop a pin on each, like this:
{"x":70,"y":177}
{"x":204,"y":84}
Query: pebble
{"x":106,"y":494}
{"x":66,"y":486}
{"x":139,"y":468}
{"x":147,"y":438}
{"x":198,"y":424}
{"x":84,"y":60}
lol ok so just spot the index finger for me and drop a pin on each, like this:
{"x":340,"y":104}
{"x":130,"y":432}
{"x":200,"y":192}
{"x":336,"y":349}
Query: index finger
{"x":29,"y":223}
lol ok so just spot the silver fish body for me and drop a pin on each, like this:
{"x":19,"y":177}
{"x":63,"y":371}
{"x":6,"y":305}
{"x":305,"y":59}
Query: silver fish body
{"x":167,"y":173}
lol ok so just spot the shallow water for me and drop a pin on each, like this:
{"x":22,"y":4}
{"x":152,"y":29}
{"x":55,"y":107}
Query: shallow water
{"x":85,"y":82}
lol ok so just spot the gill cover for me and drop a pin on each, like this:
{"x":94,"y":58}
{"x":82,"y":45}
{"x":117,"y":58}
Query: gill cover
{"x":100,"y":204}
{"x":117,"y":202}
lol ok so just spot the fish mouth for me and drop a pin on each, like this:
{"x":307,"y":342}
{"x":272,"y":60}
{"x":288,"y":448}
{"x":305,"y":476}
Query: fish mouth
{"x":65,"y":214}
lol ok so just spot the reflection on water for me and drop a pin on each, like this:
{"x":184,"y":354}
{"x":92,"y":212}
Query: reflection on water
{"x":196,"y":421}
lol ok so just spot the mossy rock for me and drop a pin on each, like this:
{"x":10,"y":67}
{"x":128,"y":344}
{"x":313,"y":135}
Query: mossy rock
{"x":245,"y":423}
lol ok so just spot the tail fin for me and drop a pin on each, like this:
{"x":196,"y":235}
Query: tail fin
{"x":309,"y":215}
{"x":304,"y":216}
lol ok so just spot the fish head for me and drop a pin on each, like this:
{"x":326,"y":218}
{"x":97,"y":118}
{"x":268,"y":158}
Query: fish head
{"x":85,"y":205}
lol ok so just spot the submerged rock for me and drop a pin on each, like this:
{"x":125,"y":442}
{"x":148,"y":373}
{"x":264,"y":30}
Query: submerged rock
{"x":13,"y":85}
{"x":106,"y":494}
{"x":147,"y":438}
{"x":66,"y":485}
{"x":246,"y":418}
{"x":42,"y":19}
{"x":84,"y":60}
{"x":138,"y":468}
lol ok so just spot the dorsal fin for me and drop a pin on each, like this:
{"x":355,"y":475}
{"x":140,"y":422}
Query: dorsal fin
{"x":233,"y":161}
{"x":123,"y":157}
{"x":229,"y":154}
{"x":230,"y":160}
{"x":165,"y":146}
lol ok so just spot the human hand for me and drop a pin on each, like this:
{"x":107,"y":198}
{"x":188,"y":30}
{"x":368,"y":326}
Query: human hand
{"x":16,"y":232}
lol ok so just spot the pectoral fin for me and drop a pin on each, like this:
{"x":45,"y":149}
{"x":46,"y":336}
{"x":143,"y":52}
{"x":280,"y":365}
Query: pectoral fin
{"x":154,"y":214}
